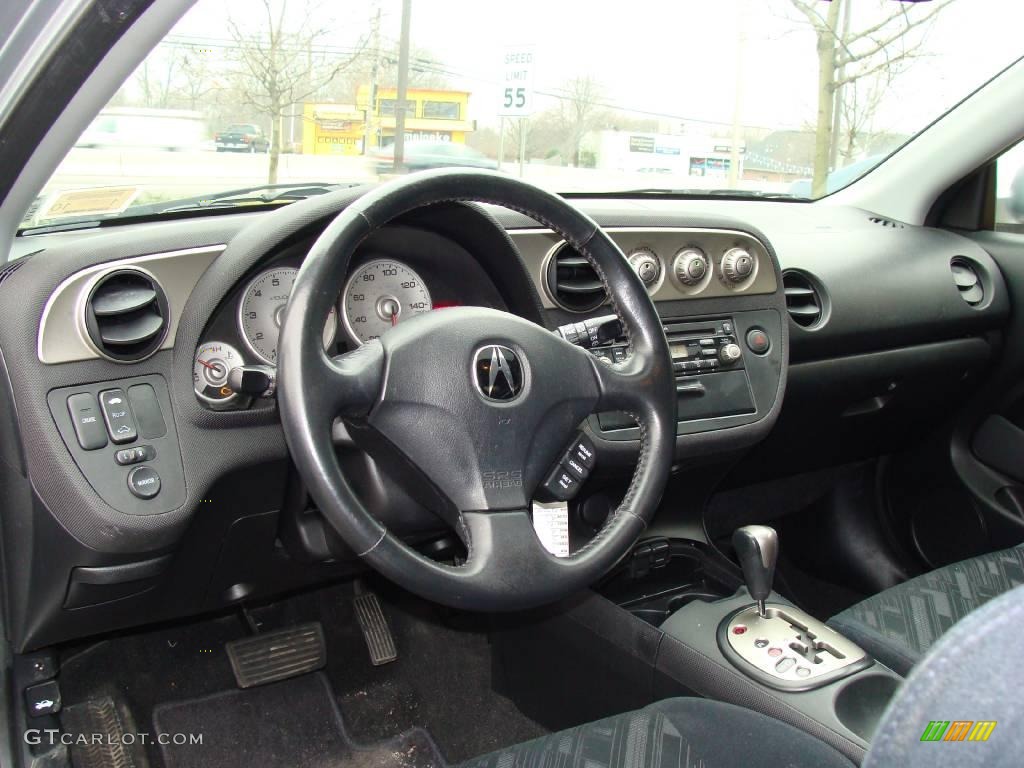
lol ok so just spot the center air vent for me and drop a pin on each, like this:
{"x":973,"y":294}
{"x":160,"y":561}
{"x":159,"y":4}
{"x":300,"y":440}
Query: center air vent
{"x":572,"y":282}
{"x":968,"y":281}
{"x":803,"y":299}
{"x":884,"y":222}
{"x":126,"y":315}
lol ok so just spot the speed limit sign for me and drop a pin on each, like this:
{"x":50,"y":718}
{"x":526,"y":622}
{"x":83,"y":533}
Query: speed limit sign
{"x":517,"y":68}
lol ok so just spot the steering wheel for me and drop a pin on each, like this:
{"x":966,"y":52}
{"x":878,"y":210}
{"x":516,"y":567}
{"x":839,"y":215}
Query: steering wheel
{"x":479,"y":404}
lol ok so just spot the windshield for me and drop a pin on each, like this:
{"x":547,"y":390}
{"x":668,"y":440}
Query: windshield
{"x":266,"y":101}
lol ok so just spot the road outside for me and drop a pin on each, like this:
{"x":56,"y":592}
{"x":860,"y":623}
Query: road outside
{"x":187,"y":173}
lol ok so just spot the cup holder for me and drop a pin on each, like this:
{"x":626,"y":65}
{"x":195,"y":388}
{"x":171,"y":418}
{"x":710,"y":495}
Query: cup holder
{"x":860,"y":703}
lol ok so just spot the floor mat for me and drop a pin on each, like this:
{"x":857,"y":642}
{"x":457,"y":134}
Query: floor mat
{"x":291,"y":724}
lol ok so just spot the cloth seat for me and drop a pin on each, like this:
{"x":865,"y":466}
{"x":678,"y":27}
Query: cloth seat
{"x":899,"y":625}
{"x":969,"y":676}
{"x":674,"y":733}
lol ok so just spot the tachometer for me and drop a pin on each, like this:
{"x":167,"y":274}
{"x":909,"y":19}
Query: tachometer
{"x":262,"y":309}
{"x":381,"y":294}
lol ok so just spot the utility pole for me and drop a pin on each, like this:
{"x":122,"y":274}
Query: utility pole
{"x":372,"y":103}
{"x":837,"y":96}
{"x":737,"y":106}
{"x":403,"y":87}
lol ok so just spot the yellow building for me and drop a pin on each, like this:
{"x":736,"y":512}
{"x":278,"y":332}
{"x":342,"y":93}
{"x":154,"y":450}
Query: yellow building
{"x":339,"y":129}
{"x":332,"y":129}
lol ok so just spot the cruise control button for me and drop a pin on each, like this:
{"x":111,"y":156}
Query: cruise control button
{"x":144,"y":482}
{"x":86,"y":419}
{"x":576,"y":469}
{"x":583,"y":452}
{"x":561,"y":484}
{"x":117,"y":414}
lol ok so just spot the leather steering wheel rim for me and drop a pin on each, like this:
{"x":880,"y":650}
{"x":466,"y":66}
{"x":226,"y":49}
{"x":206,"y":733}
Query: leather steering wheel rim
{"x":414,"y":387}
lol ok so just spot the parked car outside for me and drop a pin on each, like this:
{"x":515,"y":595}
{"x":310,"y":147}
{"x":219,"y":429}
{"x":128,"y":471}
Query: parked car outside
{"x":242,"y":137}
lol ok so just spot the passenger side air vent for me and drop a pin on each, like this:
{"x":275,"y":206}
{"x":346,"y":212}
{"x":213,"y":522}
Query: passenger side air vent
{"x":803,"y":299}
{"x":571,"y":281}
{"x":884,"y":222}
{"x":968,"y":281}
{"x":126,"y":315}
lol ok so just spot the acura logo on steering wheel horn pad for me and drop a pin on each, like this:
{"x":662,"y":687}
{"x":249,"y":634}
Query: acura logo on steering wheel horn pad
{"x":498,"y":372}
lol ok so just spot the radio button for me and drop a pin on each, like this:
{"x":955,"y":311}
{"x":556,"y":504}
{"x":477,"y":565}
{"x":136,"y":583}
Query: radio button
{"x":730,"y":353}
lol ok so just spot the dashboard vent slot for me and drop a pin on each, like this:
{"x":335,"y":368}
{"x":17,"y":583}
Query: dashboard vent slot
{"x":968,"y":281}
{"x":11,"y":267}
{"x":126,"y":315}
{"x":803,"y":300}
{"x":884,"y":222}
{"x":572,"y":282}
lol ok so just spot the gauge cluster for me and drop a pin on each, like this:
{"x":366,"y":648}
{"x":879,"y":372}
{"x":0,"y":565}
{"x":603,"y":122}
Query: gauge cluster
{"x":379,"y":295}
{"x":389,"y":283}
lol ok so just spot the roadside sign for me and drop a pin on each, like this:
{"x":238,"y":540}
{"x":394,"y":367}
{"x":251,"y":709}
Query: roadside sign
{"x":515,"y":98}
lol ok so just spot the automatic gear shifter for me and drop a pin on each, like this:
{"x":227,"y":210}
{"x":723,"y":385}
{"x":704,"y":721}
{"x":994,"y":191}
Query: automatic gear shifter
{"x":757,"y":547}
{"x":779,"y":644}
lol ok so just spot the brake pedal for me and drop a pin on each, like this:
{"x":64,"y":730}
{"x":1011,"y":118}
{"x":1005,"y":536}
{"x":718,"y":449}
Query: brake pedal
{"x":376,"y":631}
{"x":273,"y":656}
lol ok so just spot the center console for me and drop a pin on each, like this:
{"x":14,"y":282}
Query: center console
{"x":747,"y":646}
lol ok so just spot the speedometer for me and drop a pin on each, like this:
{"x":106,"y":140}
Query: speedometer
{"x":262,"y":310}
{"x":381,"y":294}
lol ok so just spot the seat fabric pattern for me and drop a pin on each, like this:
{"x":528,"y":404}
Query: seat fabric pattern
{"x":899,"y":625}
{"x":675,"y":733}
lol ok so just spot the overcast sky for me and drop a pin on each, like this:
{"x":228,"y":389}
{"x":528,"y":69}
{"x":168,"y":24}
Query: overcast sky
{"x":676,"y":57}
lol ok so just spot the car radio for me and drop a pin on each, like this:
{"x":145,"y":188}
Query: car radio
{"x":696,"y":346}
{"x":707,"y":360}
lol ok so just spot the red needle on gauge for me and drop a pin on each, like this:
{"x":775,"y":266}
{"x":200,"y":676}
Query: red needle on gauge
{"x":208,"y":366}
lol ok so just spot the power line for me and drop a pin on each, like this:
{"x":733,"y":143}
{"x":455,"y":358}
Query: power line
{"x":432,"y":66}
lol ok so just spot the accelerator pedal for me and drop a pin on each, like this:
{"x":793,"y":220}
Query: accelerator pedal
{"x":376,"y":631}
{"x":272,"y":656}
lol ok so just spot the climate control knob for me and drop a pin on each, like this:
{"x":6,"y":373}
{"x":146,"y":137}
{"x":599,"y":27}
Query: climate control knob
{"x":646,"y":264}
{"x":737,"y":265}
{"x":690,"y":266}
{"x":729,"y":353}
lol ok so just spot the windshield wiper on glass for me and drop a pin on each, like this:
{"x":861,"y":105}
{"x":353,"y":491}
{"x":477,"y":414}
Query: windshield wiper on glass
{"x":740,"y":194}
{"x":268,"y":194}
{"x":272,"y":195}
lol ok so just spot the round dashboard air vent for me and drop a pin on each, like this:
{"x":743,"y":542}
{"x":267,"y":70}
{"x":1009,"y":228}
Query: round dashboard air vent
{"x":572,"y":282}
{"x":804,"y":300}
{"x":968,"y":281}
{"x":126,"y":315}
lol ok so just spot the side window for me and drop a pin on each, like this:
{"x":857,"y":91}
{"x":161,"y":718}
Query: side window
{"x":1010,"y":190}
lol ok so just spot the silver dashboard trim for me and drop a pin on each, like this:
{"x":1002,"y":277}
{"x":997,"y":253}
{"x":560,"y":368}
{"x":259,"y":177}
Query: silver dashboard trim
{"x":537,"y":244}
{"x":62,"y":334}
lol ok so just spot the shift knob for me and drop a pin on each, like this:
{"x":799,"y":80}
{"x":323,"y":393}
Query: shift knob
{"x":757,"y":547}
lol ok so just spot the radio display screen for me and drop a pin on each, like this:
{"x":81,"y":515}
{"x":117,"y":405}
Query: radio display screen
{"x":678,"y":350}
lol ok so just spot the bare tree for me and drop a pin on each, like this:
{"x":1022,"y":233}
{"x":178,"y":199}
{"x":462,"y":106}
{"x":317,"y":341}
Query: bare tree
{"x":284,"y":61}
{"x":847,"y":54}
{"x":199,"y":80}
{"x":156,"y":78}
{"x":858,"y":103}
{"x":580,"y":111}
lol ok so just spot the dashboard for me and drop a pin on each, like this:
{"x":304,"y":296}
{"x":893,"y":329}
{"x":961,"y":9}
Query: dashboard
{"x":788,"y":324}
{"x":398,"y":274}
